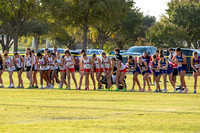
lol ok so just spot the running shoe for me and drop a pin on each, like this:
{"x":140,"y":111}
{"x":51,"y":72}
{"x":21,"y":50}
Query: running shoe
{"x":107,"y":89}
{"x":180,"y":91}
{"x":94,"y":89}
{"x":111,"y":87}
{"x":174,"y":91}
{"x":29,"y":87}
{"x":67,"y":87}
{"x":41,"y":87}
{"x":18,"y":87}
{"x":131,"y":90}
{"x":186,"y":90}
{"x":36,"y":86}
{"x":79,"y":88}
{"x":60,"y":88}
{"x":124,"y":89}
{"x":46,"y":87}
{"x":22,"y":87}
{"x":143,"y":90}
{"x":149,"y":90}
{"x":1,"y":86}
{"x":195,"y":91}
{"x":117,"y":89}
{"x":165,"y":90}
{"x":156,"y":91}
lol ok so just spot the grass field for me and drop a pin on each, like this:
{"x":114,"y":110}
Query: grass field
{"x":51,"y":111}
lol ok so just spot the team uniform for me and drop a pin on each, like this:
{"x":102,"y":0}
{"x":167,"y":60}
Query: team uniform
{"x":132,"y":65}
{"x":34,"y":63}
{"x":122,"y":67}
{"x":42,"y":62}
{"x":62,"y":68}
{"x":28,"y":62}
{"x":97,"y":65}
{"x":107,"y":66}
{"x":9,"y":64}
{"x":68,"y":63}
{"x":87,"y":65}
{"x":19,"y":63}
{"x":196,"y":63}
{"x":143,"y":67}
{"x":163,"y":64}
{"x":181,"y":67}
{"x":155,"y":65}
{"x":51,"y":62}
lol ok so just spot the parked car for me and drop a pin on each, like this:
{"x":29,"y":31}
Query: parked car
{"x":113,"y":52}
{"x":138,"y":51}
{"x":96,"y":51}
{"x":61,"y":50}
{"x":188,"y":53}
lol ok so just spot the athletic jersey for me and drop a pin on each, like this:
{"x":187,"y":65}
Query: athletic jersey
{"x":163,"y":63}
{"x":132,"y":64}
{"x":59,"y":61}
{"x":106,"y":62}
{"x":69,"y":61}
{"x":97,"y":63}
{"x":9,"y":64}
{"x":196,"y":62}
{"x":147,"y":59}
{"x":142,"y":66}
{"x":50,"y":60}
{"x":42,"y":62}
{"x":28,"y":61}
{"x":122,"y":66}
{"x":87,"y":64}
{"x":18,"y":61}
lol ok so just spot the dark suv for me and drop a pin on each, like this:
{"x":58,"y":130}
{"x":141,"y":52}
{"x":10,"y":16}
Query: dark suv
{"x":187,"y":53}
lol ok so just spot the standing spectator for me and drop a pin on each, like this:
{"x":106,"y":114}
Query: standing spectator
{"x":54,"y":51}
{"x":118,"y":56}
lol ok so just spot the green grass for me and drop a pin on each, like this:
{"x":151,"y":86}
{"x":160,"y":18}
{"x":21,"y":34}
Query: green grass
{"x":51,"y":111}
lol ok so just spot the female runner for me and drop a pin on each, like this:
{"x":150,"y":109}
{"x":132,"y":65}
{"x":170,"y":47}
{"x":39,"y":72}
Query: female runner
{"x":60,"y":64}
{"x":1,"y":71}
{"x":157,"y":74}
{"x":29,"y":66}
{"x":88,"y":70}
{"x":19,"y":62}
{"x":133,"y":67}
{"x":99,"y":69}
{"x":52,"y":67}
{"x":42,"y":63}
{"x":120,"y":73}
{"x":35,"y":70}
{"x":8,"y":61}
{"x":182,"y":63}
{"x":145,"y":72}
{"x":81,"y":70}
{"x":195,"y":63}
{"x":107,"y":69}
{"x":69,"y":64}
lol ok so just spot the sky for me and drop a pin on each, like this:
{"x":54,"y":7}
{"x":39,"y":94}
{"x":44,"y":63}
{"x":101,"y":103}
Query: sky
{"x":152,"y":7}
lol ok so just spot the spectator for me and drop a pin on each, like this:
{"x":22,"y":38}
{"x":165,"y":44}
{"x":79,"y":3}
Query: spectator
{"x":118,"y":56}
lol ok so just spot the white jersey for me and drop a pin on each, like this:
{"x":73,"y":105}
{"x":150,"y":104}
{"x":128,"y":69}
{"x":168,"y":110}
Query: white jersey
{"x":59,"y":61}
{"x":106,"y":62}
{"x":97,"y":63}
{"x":69,"y":62}
{"x":42,"y":62}
{"x":18,"y":61}
{"x":9,"y":64}
{"x":28,"y":61}
{"x":51,"y":63}
{"x":122,"y":66}
{"x":87,"y":64}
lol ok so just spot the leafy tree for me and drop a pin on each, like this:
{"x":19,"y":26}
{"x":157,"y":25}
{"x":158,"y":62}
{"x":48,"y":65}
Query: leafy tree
{"x":165,"y":34}
{"x":15,"y":14}
{"x":185,"y":13}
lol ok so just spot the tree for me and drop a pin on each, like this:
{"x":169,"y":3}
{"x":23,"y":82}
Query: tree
{"x":185,"y":13}
{"x":166,"y":34}
{"x":15,"y":14}
{"x":127,"y":30}
{"x":6,"y":40}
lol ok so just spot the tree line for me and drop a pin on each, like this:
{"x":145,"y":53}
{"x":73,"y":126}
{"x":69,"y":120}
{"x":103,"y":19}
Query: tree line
{"x":103,"y":24}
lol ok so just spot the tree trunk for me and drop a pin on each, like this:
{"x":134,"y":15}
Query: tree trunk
{"x":15,"y":43}
{"x":85,"y":31}
{"x":37,"y":42}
